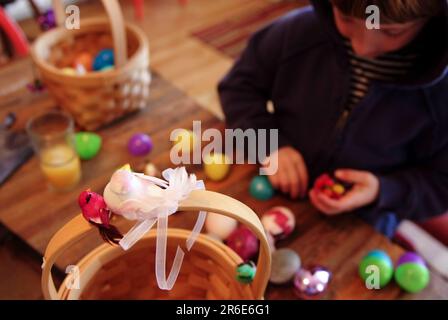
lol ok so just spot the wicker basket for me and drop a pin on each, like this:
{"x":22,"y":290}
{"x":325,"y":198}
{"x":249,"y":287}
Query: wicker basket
{"x":95,"y":98}
{"x":208,"y":271}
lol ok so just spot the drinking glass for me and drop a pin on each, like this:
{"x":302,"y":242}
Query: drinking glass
{"x":52,"y":137}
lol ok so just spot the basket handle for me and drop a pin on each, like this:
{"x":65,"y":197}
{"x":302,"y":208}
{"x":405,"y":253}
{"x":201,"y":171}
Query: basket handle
{"x":117,"y":24}
{"x":198,"y":200}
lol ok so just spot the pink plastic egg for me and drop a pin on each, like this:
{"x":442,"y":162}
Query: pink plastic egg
{"x":243,"y":242}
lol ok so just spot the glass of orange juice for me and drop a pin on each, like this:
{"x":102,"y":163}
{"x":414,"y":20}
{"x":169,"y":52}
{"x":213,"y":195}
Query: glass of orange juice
{"x":52,"y":136}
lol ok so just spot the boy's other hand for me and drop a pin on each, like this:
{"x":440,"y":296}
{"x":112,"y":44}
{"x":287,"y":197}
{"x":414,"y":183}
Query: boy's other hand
{"x":292,"y":175}
{"x":364,"y":192}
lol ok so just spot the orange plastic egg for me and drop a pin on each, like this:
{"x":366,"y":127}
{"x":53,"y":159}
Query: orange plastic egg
{"x":84,"y":59}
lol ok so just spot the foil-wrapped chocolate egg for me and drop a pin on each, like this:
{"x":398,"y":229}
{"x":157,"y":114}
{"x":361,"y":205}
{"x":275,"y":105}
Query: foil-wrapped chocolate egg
{"x":311,"y":283}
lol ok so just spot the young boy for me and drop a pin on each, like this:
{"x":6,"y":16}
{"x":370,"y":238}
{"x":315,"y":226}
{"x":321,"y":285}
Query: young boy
{"x":370,"y":105}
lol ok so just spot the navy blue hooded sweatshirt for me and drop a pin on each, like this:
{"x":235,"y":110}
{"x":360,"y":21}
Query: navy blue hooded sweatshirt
{"x":399,"y":131}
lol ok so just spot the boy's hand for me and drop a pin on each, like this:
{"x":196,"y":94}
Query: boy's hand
{"x":364,"y":192}
{"x":292,"y":175}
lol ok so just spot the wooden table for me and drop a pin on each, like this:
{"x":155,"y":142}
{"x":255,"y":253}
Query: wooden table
{"x":34,"y":213}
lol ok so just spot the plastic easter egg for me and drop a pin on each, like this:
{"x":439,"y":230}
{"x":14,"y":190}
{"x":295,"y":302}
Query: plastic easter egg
{"x":243,"y":242}
{"x":87,"y":144}
{"x":69,"y":71}
{"x":331,"y":186}
{"x":151,"y":170}
{"x":260,"y":188}
{"x":47,"y":20}
{"x":279,"y":222}
{"x":219,"y":225}
{"x":214,"y":237}
{"x":80,"y":70}
{"x":410,"y":257}
{"x":311,"y":283}
{"x":125,"y":167}
{"x":411,"y":273}
{"x":85,"y":60}
{"x":412,"y":277}
{"x":107,"y":68}
{"x":285,"y":264}
{"x":245,"y":272}
{"x":271,"y":242}
{"x":338,"y":189}
{"x":380,"y":254}
{"x":185,"y":140}
{"x":216,"y":166}
{"x":382,"y":261}
{"x":103,"y":58}
{"x":140,"y":144}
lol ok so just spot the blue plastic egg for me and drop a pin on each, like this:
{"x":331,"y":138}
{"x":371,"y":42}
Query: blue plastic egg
{"x":260,"y":188}
{"x":105,"y":58}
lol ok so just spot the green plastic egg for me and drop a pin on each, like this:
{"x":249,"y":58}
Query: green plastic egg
{"x":87,"y":145}
{"x":382,"y":261}
{"x":245,"y":272}
{"x":412,"y":277}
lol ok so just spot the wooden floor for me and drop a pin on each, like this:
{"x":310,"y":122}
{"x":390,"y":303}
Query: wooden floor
{"x":185,"y":61}
{"x":189,"y":64}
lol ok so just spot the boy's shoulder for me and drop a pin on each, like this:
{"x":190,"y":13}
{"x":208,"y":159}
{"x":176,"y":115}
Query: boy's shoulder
{"x":298,"y":30}
{"x":300,"y":21}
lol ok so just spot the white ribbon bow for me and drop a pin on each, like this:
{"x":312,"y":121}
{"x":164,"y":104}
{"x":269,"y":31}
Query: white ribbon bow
{"x":149,"y":200}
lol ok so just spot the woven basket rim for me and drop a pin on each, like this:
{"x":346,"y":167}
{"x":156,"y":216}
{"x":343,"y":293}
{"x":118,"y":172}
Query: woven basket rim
{"x":57,"y":33}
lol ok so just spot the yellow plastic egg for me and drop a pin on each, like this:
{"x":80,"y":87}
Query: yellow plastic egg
{"x":69,"y":71}
{"x":216,"y":166}
{"x":186,"y":140}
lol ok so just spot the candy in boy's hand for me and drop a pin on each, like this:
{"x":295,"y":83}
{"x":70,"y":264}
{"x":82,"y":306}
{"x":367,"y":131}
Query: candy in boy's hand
{"x":330,"y":186}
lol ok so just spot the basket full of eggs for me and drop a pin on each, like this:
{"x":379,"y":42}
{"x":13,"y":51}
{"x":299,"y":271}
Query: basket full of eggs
{"x":98,"y":72}
{"x":137,"y":266}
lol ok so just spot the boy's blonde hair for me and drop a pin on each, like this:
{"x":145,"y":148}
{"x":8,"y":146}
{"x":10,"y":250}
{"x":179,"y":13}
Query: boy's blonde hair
{"x":393,"y":11}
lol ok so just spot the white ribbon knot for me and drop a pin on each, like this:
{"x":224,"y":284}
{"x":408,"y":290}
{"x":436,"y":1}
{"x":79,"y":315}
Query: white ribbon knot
{"x":149,"y":200}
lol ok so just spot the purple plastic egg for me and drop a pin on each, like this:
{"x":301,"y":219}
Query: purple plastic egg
{"x":140,"y":144}
{"x":311,"y":283}
{"x":411,"y":257}
{"x":47,"y":20}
